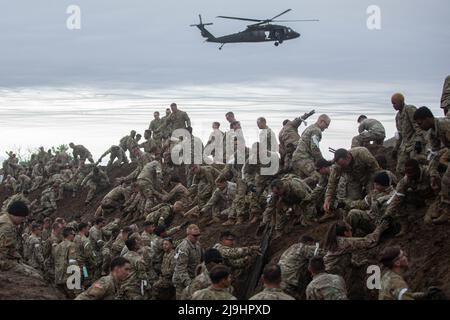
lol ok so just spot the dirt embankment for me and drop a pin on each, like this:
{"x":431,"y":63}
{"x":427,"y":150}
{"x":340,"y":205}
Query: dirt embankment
{"x":427,"y":246}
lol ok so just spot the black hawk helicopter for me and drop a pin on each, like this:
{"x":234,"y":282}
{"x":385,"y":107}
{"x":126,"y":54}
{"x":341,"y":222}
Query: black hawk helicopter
{"x":261,"y":31}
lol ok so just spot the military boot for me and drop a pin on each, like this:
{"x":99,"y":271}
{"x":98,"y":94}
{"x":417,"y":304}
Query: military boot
{"x":229,"y":222}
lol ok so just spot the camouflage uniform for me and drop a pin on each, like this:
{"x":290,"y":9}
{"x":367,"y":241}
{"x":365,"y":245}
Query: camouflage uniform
{"x":114,"y":199}
{"x":393,"y":287}
{"x":38,"y":176}
{"x":105,"y":288}
{"x":366,"y":214}
{"x":94,"y":182}
{"x":155,"y":127}
{"x":221,"y":201}
{"x":80,"y":173}
{"x":289,"y":134}
{"x":358,"y":175}
{"x":369,"y":130}
{"x":49,"y":257}
{"x":161,"y":215}
{"x":307,"y":153}
{"x":201,"y":281}
{"x":213,"y":294}
{"x":187,"y":258}
{"x":272,"y":294}
{"x":17,"y":197}
{"x":48,"y":201}
{"x":236,"y":258}
{"x":296,"y":197}
{"x":86,"y":257}
{"x":294,"y":268}
{"x":167,"y":270}
{"x":439,"y":137}
{"x":23,"y":183}
{"x":82,"y":152}
{"x":445,"y":99}
{"x":65,"y":255}
{"x":33,"y":252}
{"x":340,"y":261}
{"x":325,"y":286}
{"x":148,"y":183}
{"x":115,"y":152}
{"x":205,"y":181}
{"x":179,"y":120}
{"x":134,"y":286}
{"x":410,"y":133}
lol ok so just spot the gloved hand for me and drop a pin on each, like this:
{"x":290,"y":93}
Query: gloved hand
{"x":418,"y":147}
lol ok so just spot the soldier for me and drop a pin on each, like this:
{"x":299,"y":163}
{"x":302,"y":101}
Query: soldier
{"x":23,"y":196}
{"x":230,"y":117}
{"x":24,"y":183}
{"x":221,"y":201}
{"x":86,"y":255}
{"x":126,"y":143}
{"x":187,"y":256}
{"x":267,"y":137}
{"x":65,"y":254}
{"x":155,"y":127}
{"x":237,"y":258}
{"x":324,"y":286}
{"x":203,"y":182}
{"x":366,"y":214}
{"x":369,"y":130}
{"x":212,"y":258}
{"x":290,"y":197}
{"x":49,"y":247}
{"x":411,"y":140}
{"x":150,"y":145}
{"x":33,"y":252}
{"x":115,"y":152}
{"x":148,"y":234}
{"x":38,"y":175}
{"x":81,"y":152}
{"x":107,"y":287}
{"x":308,"y":149}
{"x":216,"y":135}
{"x":134,"y":286}
{"x":164,"y":289}
{"x":96,"y":180}
{"x":219,"y":289}
{"x":340,"y":245}
{"x":178,"y":119}
{"x":439,"y":136}
{"x":393,"y":286}
{"x":97,"y":242}
{"x":445,"y":99}
{"x":10,"y":258}
{"x":382,"y":161}
{"x":163,"y":214}
{"x":148,"y":182}
{"x":113,"y":200}
{"x":48,"y":200}
{"x":289,"y":134}
{"x":80,"y":173}
{"x":411,"y":193}
{"x":46,"y":228}
{"x":271,"y":279}
{"x":294,"y":266}
{"x":358,"y":166}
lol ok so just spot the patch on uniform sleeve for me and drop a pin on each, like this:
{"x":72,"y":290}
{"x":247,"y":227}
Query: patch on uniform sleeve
{"x":37,"y":245}
{"x":315,"y":139}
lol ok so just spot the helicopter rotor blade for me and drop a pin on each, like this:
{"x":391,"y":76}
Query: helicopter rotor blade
{"x":305,"y":20}
{"x":284,"y":12}
{"x":236,"y":18}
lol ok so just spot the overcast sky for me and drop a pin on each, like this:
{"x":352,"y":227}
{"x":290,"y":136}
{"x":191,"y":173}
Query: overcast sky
{"x":146,"y":42}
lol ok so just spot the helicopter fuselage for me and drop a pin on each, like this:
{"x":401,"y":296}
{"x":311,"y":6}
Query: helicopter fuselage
{"x":263,"y":33}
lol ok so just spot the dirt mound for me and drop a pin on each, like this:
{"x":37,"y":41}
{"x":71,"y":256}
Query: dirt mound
{"x":427,"y":246}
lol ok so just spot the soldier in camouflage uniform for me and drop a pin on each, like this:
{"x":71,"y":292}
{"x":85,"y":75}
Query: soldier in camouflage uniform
{"x":65,"y":255}
{"x":23,"y":196}
{"x":134,"y":287}
{"x":289,"y":135}
{"x":237,"y":258}
{"x":358,"y":167}
{"x":48,"y":200}
{"x":324,"y":286}
{"x":37,"y":174}
{"x":49,"y":247}
{"x":163,"y":214}
{"x":203,"y":182}
{"x":115,"y":152}
{"x":155,"y":127}
{"x":86,"y":256}
{"x":410,"y":144}
{"x":115,"y":199}
{"x":107,"y":287}
{"x":366,"y":214}
{"x":308,"y":149}
{"x":127,"y":142}
{"x":294,"y":266}
{"x":212,"y":258}
{"x":393,"y":286}
{"x":80,"y":173}
{"x":178,"y":119}
{"x":187,"y":256}
{"x":163,"y":288}
{"x":290,"y":197}
{"x":411,"y":193}
{"x":33,"y":252}
{"x":149,"y":184}
{"x":221,"y":201}
{"x":96,"y":180}
{"x":10,"y":258}
{"x":272,"y":285}
{"x":220,"y":287}
{"x":80,"y":152}
{"x":439,"y":140}
{"x":24,"y":183}
{"x":369,"y":130}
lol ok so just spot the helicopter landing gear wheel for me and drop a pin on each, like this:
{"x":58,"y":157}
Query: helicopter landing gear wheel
{"x":276,"y":44}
